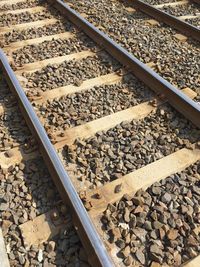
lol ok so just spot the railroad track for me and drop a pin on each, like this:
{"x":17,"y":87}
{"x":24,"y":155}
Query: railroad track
{"x":35,"y":224}
{"x":124,"y":141}
{"x":139,"y":28}
{"x":188,"y":11}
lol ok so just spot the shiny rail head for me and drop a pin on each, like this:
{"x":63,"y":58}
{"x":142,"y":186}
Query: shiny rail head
{"x":181,"y":102}
{"x":98,"y":254}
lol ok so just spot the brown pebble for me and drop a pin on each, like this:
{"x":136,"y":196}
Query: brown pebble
{"x":63,"y":210}
{"x":126,"y":251}
{"x":172,"y":234}
{"x":116,"y":233}
{"x":88,"y":205}
{"x":50,"y":246}
{"x":5,"y":226}
{"x":137,"y":201}
{"x":54,"y":216}
{"x":128,"y":261}
{"x":118,"y":188}
{"x":82,"y":195}
{"x":192,"y":252}
{"x":98,"y":196}
{"x":140,"y":256}
{"x":9,"y":153}
{"x":153,"y":102}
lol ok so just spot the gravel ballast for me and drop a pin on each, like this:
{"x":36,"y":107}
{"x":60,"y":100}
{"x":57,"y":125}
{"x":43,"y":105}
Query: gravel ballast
{"x":177,"y":62}
{"x":25,"y":17}
{"x":182,"y":10}
{"x":159,"y":226}
{"x":195,"y":22}
{"x":71,"y":72}
{"x":4,"y":90}
{"x":158,"y":2}
{"x":31,"y":33}
{"x":21,"y":5}
{"x":26,"y":192}
{"x":54,"y":48}
{"x":129,"y":146}
{"x":13,"y":129}
{"x":82,"y":107}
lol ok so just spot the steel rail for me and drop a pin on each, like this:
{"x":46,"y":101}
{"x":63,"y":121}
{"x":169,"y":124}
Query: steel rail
{"x":176,"y":98}
{"x":174,"y":22}
{"x":98,"y":255}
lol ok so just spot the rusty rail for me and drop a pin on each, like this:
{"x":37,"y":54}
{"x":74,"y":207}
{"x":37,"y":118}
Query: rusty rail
{"x":98,"y":255}
{"x":174,"y":22}
{"x":175,"y":97}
